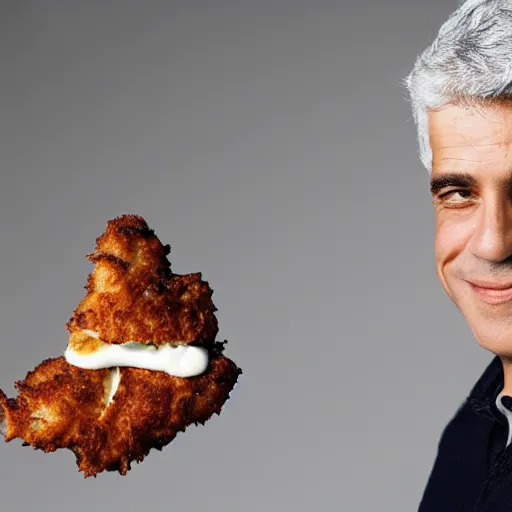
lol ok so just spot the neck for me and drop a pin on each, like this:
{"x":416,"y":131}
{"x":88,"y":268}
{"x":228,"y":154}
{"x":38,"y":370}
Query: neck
{"x":507,"y":374}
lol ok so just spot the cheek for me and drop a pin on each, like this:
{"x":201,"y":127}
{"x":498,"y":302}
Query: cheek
{"x":450,"y":240}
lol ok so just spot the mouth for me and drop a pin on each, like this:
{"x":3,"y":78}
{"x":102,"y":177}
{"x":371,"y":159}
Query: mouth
{"x":492,"y":295}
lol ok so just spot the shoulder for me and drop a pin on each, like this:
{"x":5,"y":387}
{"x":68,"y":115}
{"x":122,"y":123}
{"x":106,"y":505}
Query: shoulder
{"x":457,"y":472}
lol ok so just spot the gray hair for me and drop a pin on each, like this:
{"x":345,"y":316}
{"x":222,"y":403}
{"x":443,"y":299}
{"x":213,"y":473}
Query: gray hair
{"x":468,"y":63}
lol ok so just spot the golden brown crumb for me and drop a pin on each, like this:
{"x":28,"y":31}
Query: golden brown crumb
{"x":134,"y":296}
{"x":62,"y":406}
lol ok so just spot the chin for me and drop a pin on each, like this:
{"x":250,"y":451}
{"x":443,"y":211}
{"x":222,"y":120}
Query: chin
{"x":491,"y":325}
{"x":491,"y":333}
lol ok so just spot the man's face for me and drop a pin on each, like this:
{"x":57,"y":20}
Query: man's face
{"x":473,"y":239}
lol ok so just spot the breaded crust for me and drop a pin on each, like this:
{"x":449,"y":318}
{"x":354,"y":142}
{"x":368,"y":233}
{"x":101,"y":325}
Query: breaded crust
{"x":62,"y":406}
{"x":111,"y":417}
{"x":132,"y":295}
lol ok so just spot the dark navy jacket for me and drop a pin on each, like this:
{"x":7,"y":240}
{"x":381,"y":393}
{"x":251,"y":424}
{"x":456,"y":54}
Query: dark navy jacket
{"x":473,"y":470}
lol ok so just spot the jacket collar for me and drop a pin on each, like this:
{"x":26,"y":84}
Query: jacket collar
{"x":482,"y":397}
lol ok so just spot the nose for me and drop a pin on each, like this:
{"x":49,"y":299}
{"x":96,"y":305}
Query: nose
{"x":492,"y":239}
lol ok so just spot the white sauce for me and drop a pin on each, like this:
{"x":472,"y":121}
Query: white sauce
{"x":115,"y":379}
{"x":176,"y":360}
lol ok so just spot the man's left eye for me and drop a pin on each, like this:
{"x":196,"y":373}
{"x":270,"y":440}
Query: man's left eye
{"x":460,"y":192}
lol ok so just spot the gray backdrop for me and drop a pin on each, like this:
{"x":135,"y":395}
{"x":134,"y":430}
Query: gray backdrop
{"x":271,"y":144}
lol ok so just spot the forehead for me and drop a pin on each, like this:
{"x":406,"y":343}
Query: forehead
{"x":473,"y":135}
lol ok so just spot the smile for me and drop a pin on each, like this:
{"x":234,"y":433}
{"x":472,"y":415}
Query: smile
{"x":492,"y":295}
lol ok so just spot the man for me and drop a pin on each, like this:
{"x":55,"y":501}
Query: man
{"x":461,"y":96}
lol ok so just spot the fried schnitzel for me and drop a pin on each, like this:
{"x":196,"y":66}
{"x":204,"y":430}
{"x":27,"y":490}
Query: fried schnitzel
{"x":156,"y":367}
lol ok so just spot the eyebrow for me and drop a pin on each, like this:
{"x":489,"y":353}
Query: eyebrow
{"x":451,"y":179}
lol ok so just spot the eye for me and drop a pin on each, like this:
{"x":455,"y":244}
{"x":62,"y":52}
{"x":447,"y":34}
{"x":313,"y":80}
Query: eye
{"x":461,"y":192}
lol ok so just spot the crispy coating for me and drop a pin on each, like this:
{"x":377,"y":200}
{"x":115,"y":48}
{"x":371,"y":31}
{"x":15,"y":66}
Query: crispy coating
{"x":132,"y":295}
{"x":62,"y":406}
{"x":106,"y":421}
